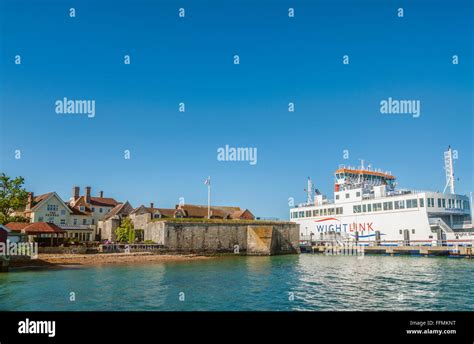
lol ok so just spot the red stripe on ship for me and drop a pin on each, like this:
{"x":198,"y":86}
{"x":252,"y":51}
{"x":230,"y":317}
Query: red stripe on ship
{"x":328,"y":219}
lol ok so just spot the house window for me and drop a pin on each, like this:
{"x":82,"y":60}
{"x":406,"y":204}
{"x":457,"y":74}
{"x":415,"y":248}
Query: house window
{"x":63,"y":212}
{"x":40,"y":219}
{"x":51,"y":220}
{"x":84,"y":221}
{"x":93,"y":221}
{"x":75,"y":221}
{"x":63,"y":221}
{"x":82,"y":208}
{"x":93,"y":209}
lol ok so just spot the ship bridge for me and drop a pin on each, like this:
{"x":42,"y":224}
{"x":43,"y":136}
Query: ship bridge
{"x":348,"y":177}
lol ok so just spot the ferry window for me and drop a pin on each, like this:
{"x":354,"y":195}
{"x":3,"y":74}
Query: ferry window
{"x":443,"y":201}
{"x":401,"y":232}
{"x":364,"y":208}
{"x":301,"y":214}
{"x":377,"y":206}
{"x":339,"y":210}
{"x":325,"y":211}
{"x":347,"y":195}
{"x":331,"y":211}
{"x":315,"y":213}
{"x":439,"y":202}
{"x":412,"y":231}
{"x":400,"y":204}
{"x":358,"y":193}
{"x":308,"y":213}
{"x":295,"y":215}
{"x":387,"y":205}
{"x":337,"y":196}
{"x":412,"y":203}
{"x":356,"y":209}
{"x":422,"y":202}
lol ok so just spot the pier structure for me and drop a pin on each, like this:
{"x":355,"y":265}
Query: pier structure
{"x":424,"y":250}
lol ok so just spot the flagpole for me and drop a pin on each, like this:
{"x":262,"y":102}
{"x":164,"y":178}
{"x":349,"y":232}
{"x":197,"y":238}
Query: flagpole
{"x":209,"y":198}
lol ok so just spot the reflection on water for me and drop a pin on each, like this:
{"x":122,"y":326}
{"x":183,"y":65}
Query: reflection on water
{"x":316,"y":282}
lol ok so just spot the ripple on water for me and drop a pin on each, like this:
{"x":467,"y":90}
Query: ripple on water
{"x":305,"y":282}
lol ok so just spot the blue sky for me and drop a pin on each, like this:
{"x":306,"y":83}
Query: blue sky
{"x":190,"y":59}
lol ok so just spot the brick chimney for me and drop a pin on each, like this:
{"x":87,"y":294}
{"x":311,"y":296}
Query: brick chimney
{"x":151,"y":205}
{"x":29,"y":201}
{"x":88,"y":194}
{"x":75,"y":192}
{"x":101,"y":194}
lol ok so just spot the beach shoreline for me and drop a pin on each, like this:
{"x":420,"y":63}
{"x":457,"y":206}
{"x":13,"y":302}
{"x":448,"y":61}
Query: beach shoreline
{"x":53,"y":261}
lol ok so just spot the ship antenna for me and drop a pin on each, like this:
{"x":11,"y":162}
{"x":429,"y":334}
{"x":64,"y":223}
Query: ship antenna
{"x":309,"y":191}
{"x":449,"y":169}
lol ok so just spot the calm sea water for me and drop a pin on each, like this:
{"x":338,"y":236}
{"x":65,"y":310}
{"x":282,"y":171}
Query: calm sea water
{"x":305,"y":282}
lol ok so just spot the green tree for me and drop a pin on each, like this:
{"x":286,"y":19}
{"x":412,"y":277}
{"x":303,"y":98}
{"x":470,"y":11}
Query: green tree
{"x":12,"y":196}
{"x":125,"y":232}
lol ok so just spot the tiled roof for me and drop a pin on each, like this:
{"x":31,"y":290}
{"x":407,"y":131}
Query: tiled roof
{"x":77,"y":211}
{"x":17,"y":226}
{"x":201,"y":211}
{"x":103,"y":201}
{"x":38,"y":199}
{"x":119,"y":209}
{"x":165,"y":212}
{"x":42,"y":227}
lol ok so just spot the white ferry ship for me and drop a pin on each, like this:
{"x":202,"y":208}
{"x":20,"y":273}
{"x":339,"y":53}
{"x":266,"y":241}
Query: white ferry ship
{"x":368,"y":209}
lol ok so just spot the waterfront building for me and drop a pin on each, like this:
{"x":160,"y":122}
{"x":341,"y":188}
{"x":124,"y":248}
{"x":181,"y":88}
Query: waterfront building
{"x":44,"y":233}
{"x":78,"y":217}
{"x":113,"y":219}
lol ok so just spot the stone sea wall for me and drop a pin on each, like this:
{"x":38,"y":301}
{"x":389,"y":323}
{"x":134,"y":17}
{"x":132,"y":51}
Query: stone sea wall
{"x":252,"y":238}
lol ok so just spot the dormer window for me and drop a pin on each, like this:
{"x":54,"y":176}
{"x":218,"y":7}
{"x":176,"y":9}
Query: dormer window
{"x":82,"y":208}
